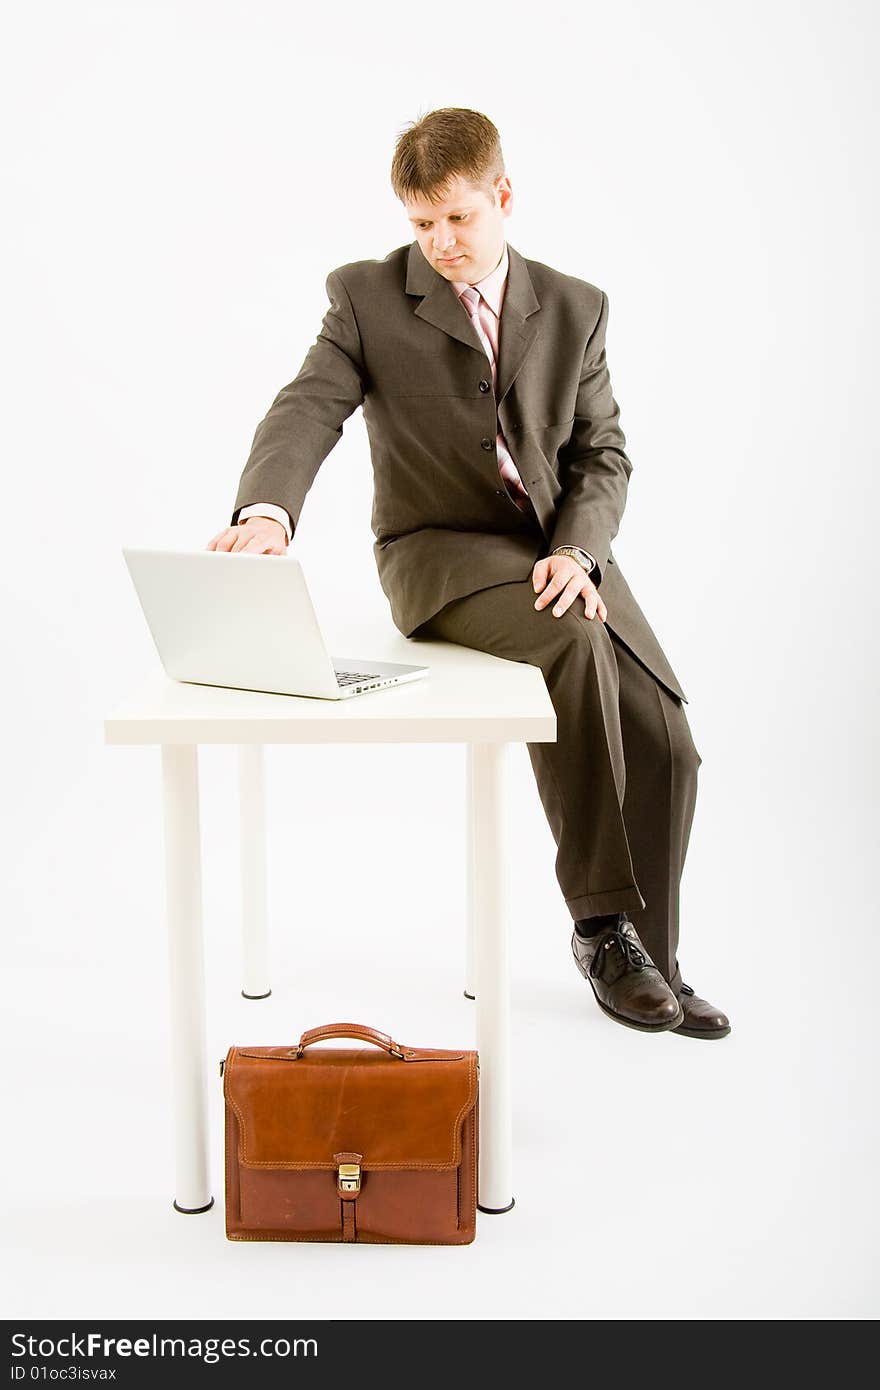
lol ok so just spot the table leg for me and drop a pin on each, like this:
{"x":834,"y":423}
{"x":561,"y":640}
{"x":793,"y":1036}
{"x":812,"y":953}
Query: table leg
{"x":252,"y":823}
{"x":186,"y":975}
{"x":469,"y":963}
{"x":493,"y":984}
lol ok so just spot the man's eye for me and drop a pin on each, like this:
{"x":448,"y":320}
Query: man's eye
{"x":457,"y":217}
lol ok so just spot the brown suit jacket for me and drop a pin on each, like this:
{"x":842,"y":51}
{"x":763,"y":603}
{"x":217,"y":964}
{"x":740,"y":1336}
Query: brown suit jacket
{"x":397,"y":341}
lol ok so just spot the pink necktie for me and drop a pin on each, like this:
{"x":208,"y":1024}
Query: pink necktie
{"x":478,"y":308}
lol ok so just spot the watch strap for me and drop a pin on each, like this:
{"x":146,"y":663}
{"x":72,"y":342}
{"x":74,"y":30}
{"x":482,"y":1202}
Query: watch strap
{"x":583,"y":557}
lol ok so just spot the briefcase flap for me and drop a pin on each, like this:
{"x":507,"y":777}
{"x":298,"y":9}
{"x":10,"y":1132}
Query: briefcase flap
{"x":398,"y":1112}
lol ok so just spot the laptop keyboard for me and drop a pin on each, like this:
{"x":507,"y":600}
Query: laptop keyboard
{"x":349,"y":677}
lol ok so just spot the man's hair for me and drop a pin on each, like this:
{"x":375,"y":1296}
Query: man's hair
{"x":441,"y":146}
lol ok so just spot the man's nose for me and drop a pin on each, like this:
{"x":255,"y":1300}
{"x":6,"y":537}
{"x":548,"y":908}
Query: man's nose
{"x":444,"y":243}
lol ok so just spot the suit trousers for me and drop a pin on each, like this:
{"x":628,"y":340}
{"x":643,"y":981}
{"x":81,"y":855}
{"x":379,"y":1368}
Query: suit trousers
{"x":619,"y":784}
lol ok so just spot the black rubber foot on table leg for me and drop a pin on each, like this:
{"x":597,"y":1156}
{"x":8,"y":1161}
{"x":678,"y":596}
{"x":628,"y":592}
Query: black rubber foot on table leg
{"x":193,"y":1211}
{"x":256,"y":996}
{"x":496,"y":1211}
{"x":468,"y":996}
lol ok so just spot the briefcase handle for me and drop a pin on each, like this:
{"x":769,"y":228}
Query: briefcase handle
{"x":348,"y":1030}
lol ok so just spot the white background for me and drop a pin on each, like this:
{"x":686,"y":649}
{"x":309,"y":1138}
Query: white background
{"x":179,"y":178}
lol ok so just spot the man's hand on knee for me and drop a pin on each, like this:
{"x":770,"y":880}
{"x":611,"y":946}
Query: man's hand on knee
{"x":560,"y":574}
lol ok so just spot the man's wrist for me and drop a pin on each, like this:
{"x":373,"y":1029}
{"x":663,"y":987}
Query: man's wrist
{"x":270,"y":512}
{"x":577,"y":553}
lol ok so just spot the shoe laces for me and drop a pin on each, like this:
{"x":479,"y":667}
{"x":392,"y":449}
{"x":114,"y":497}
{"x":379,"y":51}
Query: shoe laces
{"x":630,"y":954}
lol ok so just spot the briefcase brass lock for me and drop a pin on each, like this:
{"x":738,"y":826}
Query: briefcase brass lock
{"x":350,"y":1177}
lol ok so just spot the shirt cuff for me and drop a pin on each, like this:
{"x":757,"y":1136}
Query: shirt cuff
{"x":272,"y":512}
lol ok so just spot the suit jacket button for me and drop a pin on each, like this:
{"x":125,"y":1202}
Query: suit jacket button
{"x":484,"y":386}
{"x":487,"y":443}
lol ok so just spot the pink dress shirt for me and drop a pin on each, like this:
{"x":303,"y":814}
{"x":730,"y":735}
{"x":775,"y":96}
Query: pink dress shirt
{"x":486,"y":318}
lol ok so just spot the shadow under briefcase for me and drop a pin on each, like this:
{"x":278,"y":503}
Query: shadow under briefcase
{"x":351,"y":1144}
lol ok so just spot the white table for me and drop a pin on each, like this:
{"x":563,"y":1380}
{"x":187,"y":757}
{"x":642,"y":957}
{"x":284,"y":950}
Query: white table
{"x":469,"y":697}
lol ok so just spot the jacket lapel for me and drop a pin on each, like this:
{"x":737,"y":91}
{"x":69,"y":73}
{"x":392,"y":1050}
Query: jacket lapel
{"x":440,"y":306}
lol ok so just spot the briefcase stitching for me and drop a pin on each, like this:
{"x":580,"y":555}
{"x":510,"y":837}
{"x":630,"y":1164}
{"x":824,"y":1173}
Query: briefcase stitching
{"x":375,"y":1167}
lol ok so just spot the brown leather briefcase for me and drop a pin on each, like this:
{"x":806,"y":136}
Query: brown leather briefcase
{"x":351,"y":1144}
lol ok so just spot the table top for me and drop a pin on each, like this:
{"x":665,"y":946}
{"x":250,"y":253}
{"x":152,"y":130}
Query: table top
{"x":467,"y":697}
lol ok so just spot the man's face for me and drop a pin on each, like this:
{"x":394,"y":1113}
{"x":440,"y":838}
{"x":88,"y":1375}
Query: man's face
{"x":463,"y":237}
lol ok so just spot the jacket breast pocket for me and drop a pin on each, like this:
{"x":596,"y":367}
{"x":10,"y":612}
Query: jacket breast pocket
{"x":552,"y":437}
{"x":553,"y":423}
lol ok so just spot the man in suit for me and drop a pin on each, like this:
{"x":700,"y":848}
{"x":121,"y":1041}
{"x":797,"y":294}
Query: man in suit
{"x":500,"y":479}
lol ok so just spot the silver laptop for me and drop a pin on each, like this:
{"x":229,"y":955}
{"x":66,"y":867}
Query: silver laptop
{"x":246,"y":621}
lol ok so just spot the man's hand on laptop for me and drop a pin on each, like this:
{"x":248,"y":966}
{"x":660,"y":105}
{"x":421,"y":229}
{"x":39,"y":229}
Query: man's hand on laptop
{"x":257,"y":535}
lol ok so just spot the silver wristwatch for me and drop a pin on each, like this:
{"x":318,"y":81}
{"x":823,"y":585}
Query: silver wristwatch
{"x":583,"y":557}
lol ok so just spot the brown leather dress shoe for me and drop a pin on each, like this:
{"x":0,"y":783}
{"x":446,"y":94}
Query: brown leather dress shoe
{"x":701,"y":1019}
{"x":627,"y":984}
